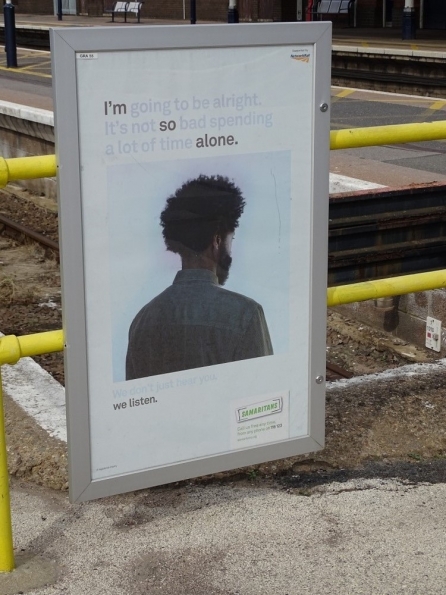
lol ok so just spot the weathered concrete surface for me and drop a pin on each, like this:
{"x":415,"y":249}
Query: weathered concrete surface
{"x":359,"y":537}
{"x":370,"y":529}
{"x":406,"y":318}
{"x":25,"y":132}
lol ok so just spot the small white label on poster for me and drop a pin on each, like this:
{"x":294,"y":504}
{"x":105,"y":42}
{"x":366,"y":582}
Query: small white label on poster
{"x":87,"y":56}
{"x":259,"y":421}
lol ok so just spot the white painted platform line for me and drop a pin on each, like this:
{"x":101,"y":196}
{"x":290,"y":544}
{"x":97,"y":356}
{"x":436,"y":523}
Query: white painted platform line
{"x":38,"y":394}
{"x":340,"y":184}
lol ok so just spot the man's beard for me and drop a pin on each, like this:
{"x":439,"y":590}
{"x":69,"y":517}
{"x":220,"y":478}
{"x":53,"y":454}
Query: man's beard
{"x":223,"y":265}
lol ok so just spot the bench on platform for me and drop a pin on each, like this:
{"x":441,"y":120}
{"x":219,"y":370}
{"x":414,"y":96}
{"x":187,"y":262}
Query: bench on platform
{"x":126,"y":8}
{"x":333,"y":7}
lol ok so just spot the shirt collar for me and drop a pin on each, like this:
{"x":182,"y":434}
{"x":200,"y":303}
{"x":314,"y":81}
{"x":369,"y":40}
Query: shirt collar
{"x":200,"y":275}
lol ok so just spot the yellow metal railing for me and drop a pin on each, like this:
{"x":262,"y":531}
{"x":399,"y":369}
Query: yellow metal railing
{"x":13,"y":348}
{"x":380,"y":288}
{"x":26,"y":168}
{"x":386,"y":135}
{"x":6,"y":545}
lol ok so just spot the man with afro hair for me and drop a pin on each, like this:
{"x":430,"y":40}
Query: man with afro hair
{"x":196,"y":322}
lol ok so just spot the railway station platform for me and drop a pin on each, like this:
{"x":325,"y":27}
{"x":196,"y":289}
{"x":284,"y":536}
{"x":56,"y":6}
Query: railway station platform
{"x":427,"y":40}
{"x":376,"y":59}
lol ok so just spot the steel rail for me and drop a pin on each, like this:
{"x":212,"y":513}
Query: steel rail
{"x":26,"y":168}
{"x":34,"y":235}
{"x":337,"y":371}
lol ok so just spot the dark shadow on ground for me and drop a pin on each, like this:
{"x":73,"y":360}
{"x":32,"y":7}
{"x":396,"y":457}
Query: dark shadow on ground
{"x":432,"y":472}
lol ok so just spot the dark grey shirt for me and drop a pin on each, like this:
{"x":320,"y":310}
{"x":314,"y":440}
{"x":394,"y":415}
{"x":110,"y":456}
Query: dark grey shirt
{"x":195,"y":323}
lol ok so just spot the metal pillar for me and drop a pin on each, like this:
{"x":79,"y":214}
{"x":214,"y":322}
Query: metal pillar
{"x":10,"y":39}
{"x":309,"y":11}
{"x":59,"y":10}
{"x":409,"y":25}
{"x":299,"y":10}
{"x":193,"y":12}
{"x":232,"y":12}
{"x":387,"y":13}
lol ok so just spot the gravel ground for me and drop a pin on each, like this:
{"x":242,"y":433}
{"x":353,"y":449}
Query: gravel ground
{"x":394,"y":422}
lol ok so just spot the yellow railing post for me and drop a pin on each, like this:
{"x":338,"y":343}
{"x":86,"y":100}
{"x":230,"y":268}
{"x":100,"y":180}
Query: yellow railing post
{"x":6,"y":545}
{"x":13,"y":348}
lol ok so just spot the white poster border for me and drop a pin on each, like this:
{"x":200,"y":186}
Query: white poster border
{"x":66,"y":43}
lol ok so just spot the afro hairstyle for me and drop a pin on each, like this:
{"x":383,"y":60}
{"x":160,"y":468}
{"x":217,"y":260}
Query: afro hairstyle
{"x":200,"y":209}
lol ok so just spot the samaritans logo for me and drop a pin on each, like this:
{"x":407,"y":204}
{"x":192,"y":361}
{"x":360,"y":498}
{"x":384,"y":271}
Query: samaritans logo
{"x":302,"y":55}
{"x":261,"y":409}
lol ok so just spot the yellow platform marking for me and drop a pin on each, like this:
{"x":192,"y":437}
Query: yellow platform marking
{"x":365,"y":44}
{"x":21,"y":56}
{"x":19,"y":70}
{"x":345,"y":93}
{"x":37,"y":65}
{"x":342,"y":94}
{"x":438,"y":105}
{"x":413,"y":46}
{"x":26,"y":53}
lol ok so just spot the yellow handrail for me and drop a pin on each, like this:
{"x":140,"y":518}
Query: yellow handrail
{"x":25,"y":168}
{"x":13,"y":348}
{"x":6,"y":544}
{"x":387,"y":135}
{"x":372,"y":290}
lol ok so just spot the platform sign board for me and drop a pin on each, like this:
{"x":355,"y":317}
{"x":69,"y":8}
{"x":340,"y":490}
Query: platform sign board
{"x":169,"y":139}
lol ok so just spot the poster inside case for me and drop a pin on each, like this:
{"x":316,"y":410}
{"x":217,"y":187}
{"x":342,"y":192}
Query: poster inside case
{"x":193,"y":184}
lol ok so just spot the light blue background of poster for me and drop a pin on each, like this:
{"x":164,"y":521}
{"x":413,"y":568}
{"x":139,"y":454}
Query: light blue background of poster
{"x":141,"y":267}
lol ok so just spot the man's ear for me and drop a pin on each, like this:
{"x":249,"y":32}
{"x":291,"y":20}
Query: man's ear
{"x":216,"y":243}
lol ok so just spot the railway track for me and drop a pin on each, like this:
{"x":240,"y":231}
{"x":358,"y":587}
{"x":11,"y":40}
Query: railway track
{"x":419,"y":75}
{"x":372,"y":235}
{"x":414,"y":74}
{"x":334,"y":372}
{"x":20,"y":232}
